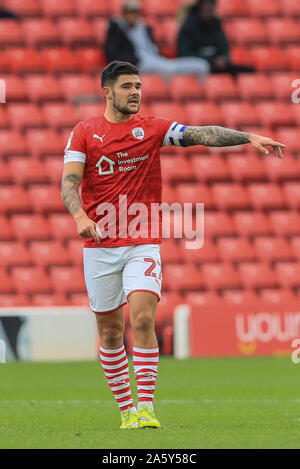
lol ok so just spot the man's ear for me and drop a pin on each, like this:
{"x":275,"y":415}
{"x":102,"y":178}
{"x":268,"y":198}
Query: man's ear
{"x":107,"y":93}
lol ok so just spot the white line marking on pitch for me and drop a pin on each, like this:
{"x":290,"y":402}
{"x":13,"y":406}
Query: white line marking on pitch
{"x":159,"y":401}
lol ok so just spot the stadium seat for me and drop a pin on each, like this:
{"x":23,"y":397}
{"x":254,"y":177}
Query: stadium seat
{"x":62,"y":226}
{"x":182,"y":277}
{"x":293,"y":57}
{"x":46,"y":198}
{"x":15,"y":88}
{"x":6,"y":284}
{"x":286,"y":223}
{"x":239,"y":113}
{"x":279,"y":296}
{"x":297,"y":109}
{"x":25,"y":115}
{"x":91,"y":59}
{"x":30,"y":227}
{"x":209,"y":252}
{"x":100,"y":28}
{"x":46,"y":253}
{"x":295,"y":244}
{"x":255,"y":86}
{"x":28,"y":8}
{"x":27,"y":170}
{"x":159,"y":8}
{"x":245,"y":31}
{"x":79,"y":299}
{"x":231,"y":8}
{"x":230,"y":196}
{"x":240,"y":55}
{"x":44,"y":142}
{"x":13,"y":199}
{"x":207,"y":299}
{"x":42,"y":88}
{"x":58,"y":7}
{"x":75,"y":250}
{"x":292,"y":194}
{"x":169,"y":110}
{"x":266,"y":196}
{"x":264,"y":9}
{"x":11,"y":33}
{"x":11,"y":301}
{"x":6,"y":231}
{"x":273,"y":249}
{"x":209,"y":168}
{"x":218,"y":224}
{"x":220,"y":276}
{"x":204,"y":113}
{"x":246,"y":168}
{"x":288,"y":274}
{"x":41,"y":31}
{"x":194,"y":193}
{"x":154,"y":88}
{"x":282,"y":31}
{"x":289,"y":136}
{"x":76,"y":85}
{"x":176,"y":168}
{"x":220,"y":86}
{"x":236,"y":250}
{"x":275,"y":113}
{"x":59,"y":115}
{"x":42,"y":299}
{"x":59,"y":60}
{"x":67,"y":279}
{"x":22,"y":60}
{"x":268,"y":58}
{"x":282,"y":169}
{"x":91,"y":8}
{"x":252,"y":223}
{"x":88,"y":110}
{"x":5,"y":175}
{"x":75,"y":31}
{"x":242,"y":298}
{"x":184,"y":87}
{"x":170,"y":251}
{"x":13,"y":253}
{"x":257,"y":275}
{"x":54,"y":167}
{"x":12,"y":143}
{"x":30,"y":280}
{"x":290,"y":8}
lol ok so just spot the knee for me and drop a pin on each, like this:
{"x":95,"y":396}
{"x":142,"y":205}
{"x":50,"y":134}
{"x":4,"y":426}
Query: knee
{"x":111,"y":335}
{"x":143,"y":321}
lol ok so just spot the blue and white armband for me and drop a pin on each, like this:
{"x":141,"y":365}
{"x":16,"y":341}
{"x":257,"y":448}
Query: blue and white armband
{"x":174,"y":136}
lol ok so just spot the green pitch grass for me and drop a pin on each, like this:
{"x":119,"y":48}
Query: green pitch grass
{"x":205,"y":403}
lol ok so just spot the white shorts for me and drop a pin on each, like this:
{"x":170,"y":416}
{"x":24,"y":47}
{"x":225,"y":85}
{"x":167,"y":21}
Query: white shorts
{"x":112,"y":274}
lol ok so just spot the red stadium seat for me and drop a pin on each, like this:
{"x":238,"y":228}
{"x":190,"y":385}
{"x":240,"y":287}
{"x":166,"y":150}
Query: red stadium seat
{"x":91,"y":59}
{"x":246,"y":168}
{"x":240,"y":55}
{"x":45,"y":198}
{"x":290,"y":8}
{"x":42,"y":299}
{"x":184,"y":87}
{"x":15,"y":88}
{"x":62,"y":227}
{"x":92,"y":8}
{"x":173,"y":111}
{"x":257,"y":275}
{"x":232,"y":8}
{"x":182,"y":277}
{"x":220,"y":86}
{"x":159,"y":8}
{"x":45,"y":253}
{"x":12,"y":143}
{"x":42,"y":88}
{"x":292,"y":194}
{"x":194,"y":193}
{"x":60,"y":115}
{"x":290,"y":137}
{"x":293,"y":57}
{"x":209,"y":252}
{"x":255,"y":86}
{"x":54,"y":167}
{"x":75,"y":31}
{"x":27,"y":170}
{"x":13,"y":199}
{"x":218,"y":224}
{"x":44,"y":142}
{"x":28,"y":8}
{"x":24,"y":60}
{"x":79,"y":85}
{"x":285,"y":223}
{"x":6,"y":284}
{"x":4,"y":121}
{"x":209,"y":168}
{"x":58,"y":7}
{"x":230,"y":196}
{"x":13,"y":253}
{"x":252,"y":223}
{"x":75,"y":249}
{"x":176,"y":168}
{"x":277,"y":296}
{"x":25,"y":115}
{"x":79,"y":299}
{"x":154,"y":87}
{"x":219,"y":276}
{"x":30,"y":280}
{"x":170,"y":251}
{"x":5,"y":175}
{"x":235,"y":250}
{"x":243,"y":298}
{"x":266,"y":8}
{"x":100,"y":28}
{"x":266,"y":196}
{"x":282,"y":31}
{"x":275,"y":113}
{"x":11,"y":301}
{"x":88,"y":110}
{"x":30,"y":227}
{"x":268,"y":58}
{"x":204,"y":299}
{"x":281,"y":169}
{"x":6,"y":231}
{"x":239,"y":113}
{"x":204,"y":113}
{"x":295,"y":244}
{"x":11,"y":33}
{"x":170,"y":30}
{"x":272,"y":249}
{"x":67,"y":279}
{"x":246,"y":31}
{"x":297,"y":108}
{"x":59,"y":60}
{"x":40,"y":31}
{"x":288,"y":274}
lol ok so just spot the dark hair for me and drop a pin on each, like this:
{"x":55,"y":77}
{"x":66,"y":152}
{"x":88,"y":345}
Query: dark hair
{"x":112,"y":71}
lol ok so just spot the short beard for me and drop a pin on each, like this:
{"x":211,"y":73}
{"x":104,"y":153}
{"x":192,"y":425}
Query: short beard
{"x":123,"y":109}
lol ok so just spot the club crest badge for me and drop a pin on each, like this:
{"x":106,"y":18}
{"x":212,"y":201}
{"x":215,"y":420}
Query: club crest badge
{"x":138,"y":133}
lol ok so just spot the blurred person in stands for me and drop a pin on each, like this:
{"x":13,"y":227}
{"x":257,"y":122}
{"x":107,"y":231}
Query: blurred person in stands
{"x":202,"y":35}
{"x":6,"y":14}
{"x":131,"y":40}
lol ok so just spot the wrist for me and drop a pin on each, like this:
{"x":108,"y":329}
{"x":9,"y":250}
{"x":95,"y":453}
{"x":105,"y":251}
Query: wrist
{"x":79,"y":215}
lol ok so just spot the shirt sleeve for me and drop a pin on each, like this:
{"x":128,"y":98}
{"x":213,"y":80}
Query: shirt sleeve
{"x":76,"y":146}
{"x":174,"y":135}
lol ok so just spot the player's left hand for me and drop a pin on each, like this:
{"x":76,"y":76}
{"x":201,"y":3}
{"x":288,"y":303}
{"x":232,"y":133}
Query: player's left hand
{"x":260,"y":143}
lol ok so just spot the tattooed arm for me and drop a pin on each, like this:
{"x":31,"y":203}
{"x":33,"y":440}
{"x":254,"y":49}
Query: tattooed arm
{"x":71,"y":180}
{"x":213,"y":136}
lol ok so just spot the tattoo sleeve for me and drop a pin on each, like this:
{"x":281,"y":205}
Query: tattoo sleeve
{"x":70,"y":194}
{"x":212,"y":136}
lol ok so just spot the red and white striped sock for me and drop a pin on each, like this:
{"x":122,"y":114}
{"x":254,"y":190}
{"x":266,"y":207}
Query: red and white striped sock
{"x":115,"y":366}
{"x":145,"y":362}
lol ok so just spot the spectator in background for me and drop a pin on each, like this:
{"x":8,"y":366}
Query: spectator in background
{"x":130,"y":40}
{"x":202,"y":35}
{"x":6,"y":14}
